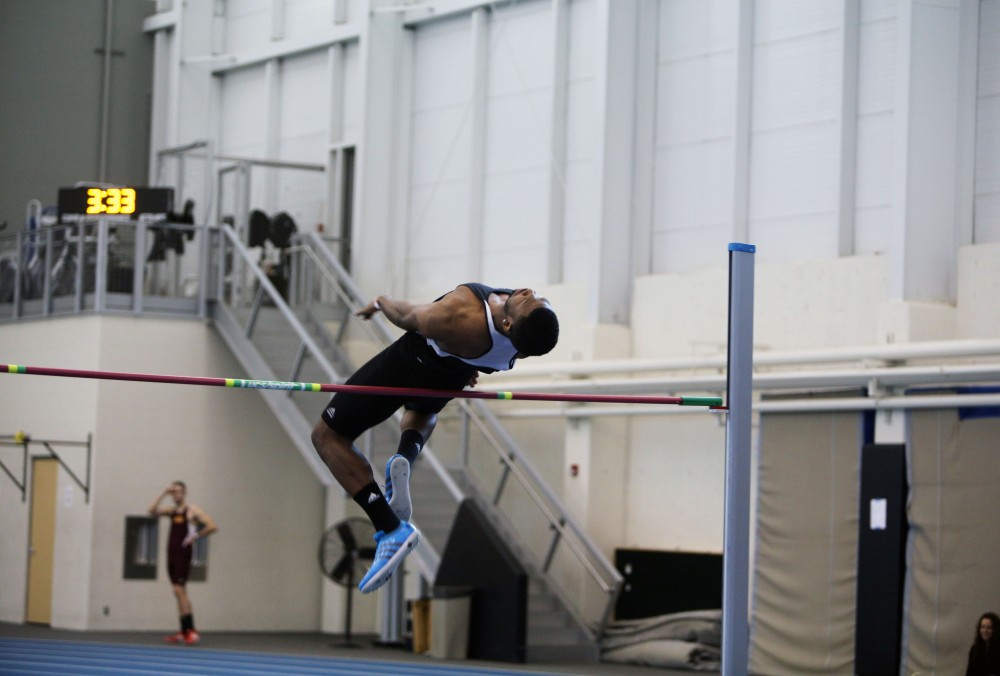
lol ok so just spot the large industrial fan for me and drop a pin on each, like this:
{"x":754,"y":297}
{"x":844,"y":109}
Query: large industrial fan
{"x":346,"y":551}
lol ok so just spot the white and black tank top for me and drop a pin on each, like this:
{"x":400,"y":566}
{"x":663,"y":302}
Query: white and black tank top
{"x":502,"y":353}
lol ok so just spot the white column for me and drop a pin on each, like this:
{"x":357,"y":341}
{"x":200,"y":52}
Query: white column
{"x":557,"y":149}
{"x":925,"y":163}
{"x":850,"y":30}
{"x":375,"y":235}
{"x":616,"y":89}
{"x":479,"y":90}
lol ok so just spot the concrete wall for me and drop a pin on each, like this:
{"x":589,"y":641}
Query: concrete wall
{"x":52,"y":81}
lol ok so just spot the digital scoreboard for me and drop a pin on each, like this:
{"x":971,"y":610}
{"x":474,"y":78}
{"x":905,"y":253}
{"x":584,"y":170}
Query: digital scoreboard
{"x":114,"y":201}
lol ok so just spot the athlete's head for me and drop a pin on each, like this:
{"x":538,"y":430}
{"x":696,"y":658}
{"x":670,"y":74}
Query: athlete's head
{"x":532,"y":325}
{"x":177,"y":491}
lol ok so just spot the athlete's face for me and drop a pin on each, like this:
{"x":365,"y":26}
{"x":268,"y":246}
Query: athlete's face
{"x":177,"y":493}
{"x":522,"y":302}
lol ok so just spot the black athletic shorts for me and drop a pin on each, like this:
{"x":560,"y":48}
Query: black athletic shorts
{"x":408,"y":362}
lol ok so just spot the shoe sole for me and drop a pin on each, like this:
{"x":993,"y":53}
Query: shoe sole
{"x":399,"y":475}
{"x":412,"y":540}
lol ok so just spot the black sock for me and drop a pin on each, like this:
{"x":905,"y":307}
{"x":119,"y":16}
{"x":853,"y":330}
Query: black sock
{"x":187,"y":622}
{"x":377,"y":508}
{"x":410,"y":444}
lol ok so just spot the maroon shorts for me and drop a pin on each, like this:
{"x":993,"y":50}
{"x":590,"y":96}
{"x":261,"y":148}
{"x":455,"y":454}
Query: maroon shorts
{"x":179,"y":566}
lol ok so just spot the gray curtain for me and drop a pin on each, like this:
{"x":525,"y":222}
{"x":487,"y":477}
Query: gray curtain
{"x":803,"y":595}
{"x":954,"y":540}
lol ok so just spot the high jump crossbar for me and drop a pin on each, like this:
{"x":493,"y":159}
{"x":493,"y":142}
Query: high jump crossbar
{"x":241,"y":383}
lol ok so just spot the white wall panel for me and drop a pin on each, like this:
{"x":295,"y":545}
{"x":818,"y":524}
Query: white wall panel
{"x":873,"y":184}
{"x":515,"y":268}
{"x":777,"y":20}
{"x":794,"y":151}
{"x":581,"y":183}
{"x":442,"y":64}
{"x":877,"y":66}
{"x":517,"y":136}
{"x":307,"y":17}
{"x":303,"y":130}
{"x":876,"y":90}
{"x":695,"y":98}
{"x":873,"y":10}
{"x":515,"y":215}
{"x":795,"y":237}
{"x":243,"y":125}
{"x":243,"y":115}
{"x":439,"y":146}
{"x":439,"y":156}
{"x":689,"y":248}
{"x":695,"y":102}
{"x":582,"y":28}
{"x":248,"y":25}
{"x":794,"y":171}
{"x":352,"y":92}
{"x":694,"y":28}
{"x":304,"y":105}
{"x":520,"y":49}
{"x":579,"y":259}
{"x":442,"y":231}
{"x":684,"y":476}
{"x":692,"y":185}
{"x":795,"y":81}
{"x":581,"y":179}
{"x":987,"y":181}
{"x":518,"y":139}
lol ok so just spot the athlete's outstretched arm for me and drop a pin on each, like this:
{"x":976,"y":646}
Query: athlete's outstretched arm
{"x":438,"y":320}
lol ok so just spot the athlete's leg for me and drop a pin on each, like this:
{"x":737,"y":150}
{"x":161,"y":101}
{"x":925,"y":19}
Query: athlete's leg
{"x":348,"y":466}
{"x":421,"y":422}
{"x":183,"y":602}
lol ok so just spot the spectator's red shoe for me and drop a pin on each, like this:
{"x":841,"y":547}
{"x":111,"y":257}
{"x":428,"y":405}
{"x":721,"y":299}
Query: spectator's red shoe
{"x":191,"y":637}
{"x":175,"y":638}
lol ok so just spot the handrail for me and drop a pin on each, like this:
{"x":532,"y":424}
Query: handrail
{"x":279,"y":302}
{"x":557,"y":521}
{"x":543,"y":487}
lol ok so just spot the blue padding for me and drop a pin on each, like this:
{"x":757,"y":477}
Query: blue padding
{"x":967,"y":412}
{"x":736,"y":246}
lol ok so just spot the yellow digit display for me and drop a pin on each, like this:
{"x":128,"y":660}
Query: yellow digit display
{"x":95,"y":201}
{"x":111,"y":201}
{"x":128,"y":201}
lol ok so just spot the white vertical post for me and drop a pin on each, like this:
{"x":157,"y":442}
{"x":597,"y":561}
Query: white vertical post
{"x":391,"y":630}
{"x":739,"y":399}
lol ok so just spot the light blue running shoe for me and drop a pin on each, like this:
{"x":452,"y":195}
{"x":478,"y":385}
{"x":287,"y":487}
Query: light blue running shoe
{"x":390,"y":551}
{"x":397,"y":487}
